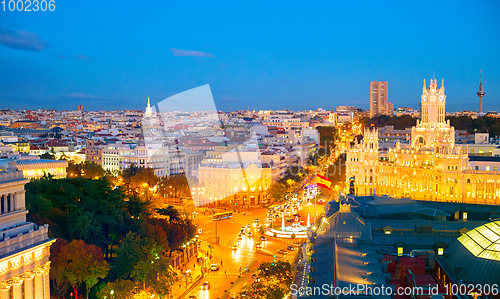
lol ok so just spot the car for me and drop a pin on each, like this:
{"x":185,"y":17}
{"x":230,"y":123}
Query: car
{"x":214,"y":267}
{"x":240,"y":237}
{"x":290,"y":248}
{"x":258,"y":245}
{"x":193,"y":297}
{"x":205,"y":285}
{"x":249,"y":234}
{"x":262,"y":238}
{"x":254,"y":276}
{"x":297,"y":243}
{"x":282,"y":251}
{"x":235,"y":247}
{"x":232,"y":296}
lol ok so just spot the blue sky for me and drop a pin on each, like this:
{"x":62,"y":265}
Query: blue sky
{"x":257,"y":54}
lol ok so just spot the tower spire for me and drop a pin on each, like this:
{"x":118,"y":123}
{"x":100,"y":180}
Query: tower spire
{"x":481,"y":93}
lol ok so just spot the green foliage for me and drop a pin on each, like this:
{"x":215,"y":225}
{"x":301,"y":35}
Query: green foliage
{"x":484,"y":124}
{"x":47,"y":156}
{"x":277,"y":191}
{"x":77,"y":208}
{"x":120,"y":289}
{"x":175,"y":186}
{"x":261,"y":229}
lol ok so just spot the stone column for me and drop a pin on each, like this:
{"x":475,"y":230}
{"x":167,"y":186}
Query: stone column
{"x":29,"y":285}
{"x":17,"y":289}
{"x":10,"y":198}
{"x":5,"y":291}
{"x":13,"y":198}
{"x":20,"y":199}
{"x":39,"y":285}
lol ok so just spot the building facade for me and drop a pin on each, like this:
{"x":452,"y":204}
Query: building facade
{"x":430,"y":167}
{"x":379,"y":103}
{"x":24,"y":247}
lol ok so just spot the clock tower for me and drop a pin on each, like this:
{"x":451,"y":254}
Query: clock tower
{"x":433,"y":105}
{"x":432,"y":128}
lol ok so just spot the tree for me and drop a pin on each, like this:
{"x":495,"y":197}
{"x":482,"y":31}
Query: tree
{"x":171,"y":213}
{"x":119,"y":289}
{"x":60,"y":284}
{"x":47,"y":156}
{"x":278,"y":191}
{"x":92,"y":170}
{"x":82,"y":263}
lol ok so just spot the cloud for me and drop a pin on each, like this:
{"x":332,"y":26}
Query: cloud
{"x":22,"y":40}
{"x":178,"y":52}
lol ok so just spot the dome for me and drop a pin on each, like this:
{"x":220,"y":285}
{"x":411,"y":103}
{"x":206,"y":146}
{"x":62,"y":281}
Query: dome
{"x":483,"y":241}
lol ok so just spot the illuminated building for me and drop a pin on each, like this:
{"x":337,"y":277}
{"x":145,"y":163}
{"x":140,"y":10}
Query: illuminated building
{"x":37,"y":168}
{"x":473,"y":258}
{"x":235,"y":183}
{"x":93,"y":153}
{"x":379,"y":103}
{"x":431,"y":167}
{"x":25,"y":247}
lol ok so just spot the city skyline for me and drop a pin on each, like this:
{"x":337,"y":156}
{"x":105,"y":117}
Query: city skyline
{"x":279,"y":57}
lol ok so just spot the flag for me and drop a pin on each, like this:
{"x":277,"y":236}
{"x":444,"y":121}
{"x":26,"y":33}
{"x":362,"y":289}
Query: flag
{"x":323,"y":181}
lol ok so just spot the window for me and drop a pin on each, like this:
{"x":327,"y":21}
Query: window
{"x":387,"y":232}
{"x":487,"y":168}
{"x":400,"y":251}
{"x":476,"y":168}
{"x":480,"y":151}
{"x":440,"y":251}
{"x":464,"y":215}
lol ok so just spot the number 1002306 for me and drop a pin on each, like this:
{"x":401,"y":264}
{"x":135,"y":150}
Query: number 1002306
{"x":28,"y":5}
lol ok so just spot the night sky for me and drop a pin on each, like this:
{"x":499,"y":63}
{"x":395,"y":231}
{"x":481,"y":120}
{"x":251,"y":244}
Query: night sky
{"x":254,"y":54}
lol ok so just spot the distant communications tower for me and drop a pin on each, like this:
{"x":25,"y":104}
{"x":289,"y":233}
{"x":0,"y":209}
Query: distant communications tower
{"x":481,"y":93}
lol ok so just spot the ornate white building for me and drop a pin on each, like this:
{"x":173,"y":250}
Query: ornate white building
{"x":430,"y":167}
{"x":24,"y":247}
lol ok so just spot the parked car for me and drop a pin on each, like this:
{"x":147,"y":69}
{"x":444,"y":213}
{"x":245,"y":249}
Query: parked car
{"x":214,"y":267}
{"x":283,"y":252}
{"x":290,"y":248}
{"x":205,"y":285}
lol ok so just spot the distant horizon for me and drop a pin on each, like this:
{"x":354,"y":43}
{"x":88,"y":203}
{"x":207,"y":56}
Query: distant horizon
{"x":291,"y":54}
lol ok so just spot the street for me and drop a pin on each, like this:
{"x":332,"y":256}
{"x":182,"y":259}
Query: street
{"x":234,"y":262}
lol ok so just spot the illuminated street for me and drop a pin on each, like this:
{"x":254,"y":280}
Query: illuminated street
{"x":234,"y":261}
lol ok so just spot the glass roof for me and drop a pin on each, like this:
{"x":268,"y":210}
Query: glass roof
{"x":483,"y":241}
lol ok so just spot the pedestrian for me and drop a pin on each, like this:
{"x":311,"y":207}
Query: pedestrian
{"x":225,"y":273}
{"x":221,"y":263}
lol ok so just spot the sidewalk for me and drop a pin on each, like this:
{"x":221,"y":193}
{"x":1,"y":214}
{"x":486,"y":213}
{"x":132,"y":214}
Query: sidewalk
{"x":183,"y":284}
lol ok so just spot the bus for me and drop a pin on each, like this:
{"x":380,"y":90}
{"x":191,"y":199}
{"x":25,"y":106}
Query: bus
{"x":222,"y":216}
